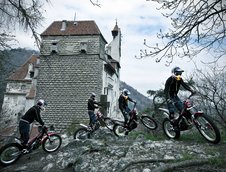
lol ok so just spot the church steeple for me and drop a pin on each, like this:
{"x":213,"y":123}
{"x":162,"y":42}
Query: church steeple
{"x":115,"y":30}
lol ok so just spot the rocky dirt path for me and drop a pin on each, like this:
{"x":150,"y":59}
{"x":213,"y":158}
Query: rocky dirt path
{"x":107,"y":152}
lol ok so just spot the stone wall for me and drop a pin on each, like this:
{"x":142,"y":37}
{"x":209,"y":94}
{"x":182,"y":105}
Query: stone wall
{"x":67,"y":76}
{"x":66,"y":82}
{"x":71,"y":45}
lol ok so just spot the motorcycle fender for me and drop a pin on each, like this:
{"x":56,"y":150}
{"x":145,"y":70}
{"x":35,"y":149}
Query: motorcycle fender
{"x":83,"y":125}
{"x":45,"y":137}
{"x":199,"y":113}
{"x":165,"y":111}
{"x":17,"y":140}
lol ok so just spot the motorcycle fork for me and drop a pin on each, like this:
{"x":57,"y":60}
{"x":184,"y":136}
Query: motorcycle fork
{"x":206,"y":126}
{"x":45,"y":137}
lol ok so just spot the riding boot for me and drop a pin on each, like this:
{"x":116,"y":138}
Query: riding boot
{"x":171,"y":118}
{"x":126,"y":123}
{"x":174,"y":123}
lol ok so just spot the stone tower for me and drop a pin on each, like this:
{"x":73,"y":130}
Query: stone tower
{"x":74,"y":63}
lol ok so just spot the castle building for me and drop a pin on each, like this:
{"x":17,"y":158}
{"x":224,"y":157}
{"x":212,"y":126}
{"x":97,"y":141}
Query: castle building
{"x":19,"y":95}
{"x":75,"y":60}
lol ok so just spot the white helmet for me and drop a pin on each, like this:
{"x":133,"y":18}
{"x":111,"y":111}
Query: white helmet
{"x":125,"y":92}
{"x":93,"y":95}
{"x":41,"y":103}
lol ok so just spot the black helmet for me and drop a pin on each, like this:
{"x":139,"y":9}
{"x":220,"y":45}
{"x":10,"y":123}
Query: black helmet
{"x":125,"y":92}
{"x":177,"y":72}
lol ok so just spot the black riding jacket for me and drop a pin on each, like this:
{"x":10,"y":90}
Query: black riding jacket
{"x":172,"y":87}
{"x":92,"y":104}
{"x":33,"y":114}
{"x":123,"y":101}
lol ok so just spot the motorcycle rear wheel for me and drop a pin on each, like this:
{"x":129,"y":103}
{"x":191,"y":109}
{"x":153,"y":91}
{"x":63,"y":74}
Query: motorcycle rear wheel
{"x":10,"y":153}
{"x":207,"y":129}
{"x":169,"y":130}
{"x":148,"y":122}
{"x":82,"y":134}
{"x":120,"y":130}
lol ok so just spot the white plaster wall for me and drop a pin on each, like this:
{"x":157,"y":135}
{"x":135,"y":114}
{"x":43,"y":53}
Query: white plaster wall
{"x":29,"y":103}
{"x":18,"y":87}
{"x":113,"y":48}
{"x":13,"y":106}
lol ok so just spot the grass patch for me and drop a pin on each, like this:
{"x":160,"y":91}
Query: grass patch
{"x":147,"y":135}
{"x":186,"y":156}
{"x":218,"y":162}
{"x":192,"y":137}
{"x":74,"y":126}
{"x":223,"y":137}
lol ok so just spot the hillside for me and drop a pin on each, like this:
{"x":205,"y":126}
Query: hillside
{"x":143,"y":102}
{"x":105,"y":152}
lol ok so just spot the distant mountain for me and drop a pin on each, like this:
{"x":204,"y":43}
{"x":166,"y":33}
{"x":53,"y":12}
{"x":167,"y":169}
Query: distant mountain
{"x":143,"y":102}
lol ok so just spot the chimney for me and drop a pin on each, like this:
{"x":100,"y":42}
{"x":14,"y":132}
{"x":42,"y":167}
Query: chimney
{"x":75,"y":22}
{"x":64,"y":24}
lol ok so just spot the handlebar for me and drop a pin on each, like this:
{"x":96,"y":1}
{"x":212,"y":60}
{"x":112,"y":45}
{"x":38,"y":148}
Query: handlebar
{"x":43,"y":128}
{"x":134,"y":104}
{"x":192,"y":94}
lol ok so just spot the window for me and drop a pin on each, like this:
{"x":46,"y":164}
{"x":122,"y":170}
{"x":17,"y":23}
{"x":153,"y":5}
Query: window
{"x":83,"y":47}
{"x":54,"y":47}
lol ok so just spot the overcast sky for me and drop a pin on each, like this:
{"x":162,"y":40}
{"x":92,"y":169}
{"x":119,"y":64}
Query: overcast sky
{"x":137,"y":19}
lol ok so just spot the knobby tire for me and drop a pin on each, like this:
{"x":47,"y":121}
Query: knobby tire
{"x":10,"y":153}
{"x":208,"y":126}
{"x":52,"y":143}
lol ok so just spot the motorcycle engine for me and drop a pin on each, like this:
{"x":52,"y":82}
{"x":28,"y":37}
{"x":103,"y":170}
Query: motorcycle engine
{"x":133,"y":124}
{"x":182,"y":124}
{"x":36,"y":144}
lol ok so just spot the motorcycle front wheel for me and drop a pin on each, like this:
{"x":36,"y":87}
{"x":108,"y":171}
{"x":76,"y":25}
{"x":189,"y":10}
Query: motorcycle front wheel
{"x":10,"y":153}
{"x":52,"y":143}
{"x":148,"y":122}
{"x":82,"y":134}
{"x":168,"y":129}
{"x":207,"y":129}
{"x":120,"y":130}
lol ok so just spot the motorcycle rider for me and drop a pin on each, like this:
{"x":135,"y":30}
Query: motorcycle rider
{"x":123,"y":105}
{"x":92,"y":105}
{"x":171,"y":90}
{"x":32,"y":114}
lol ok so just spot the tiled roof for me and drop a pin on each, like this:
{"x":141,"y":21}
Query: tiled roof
{"x":115,"y":61}
{"x":21,"y":72}
{"x":80,"y":28}
{"x":116,"y":28}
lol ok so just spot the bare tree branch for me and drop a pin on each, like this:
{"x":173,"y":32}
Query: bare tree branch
{"x":25,"y":14}
{"x":95,"y":3}
{"x":197,"y":26}
{"x":211,"y":88}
